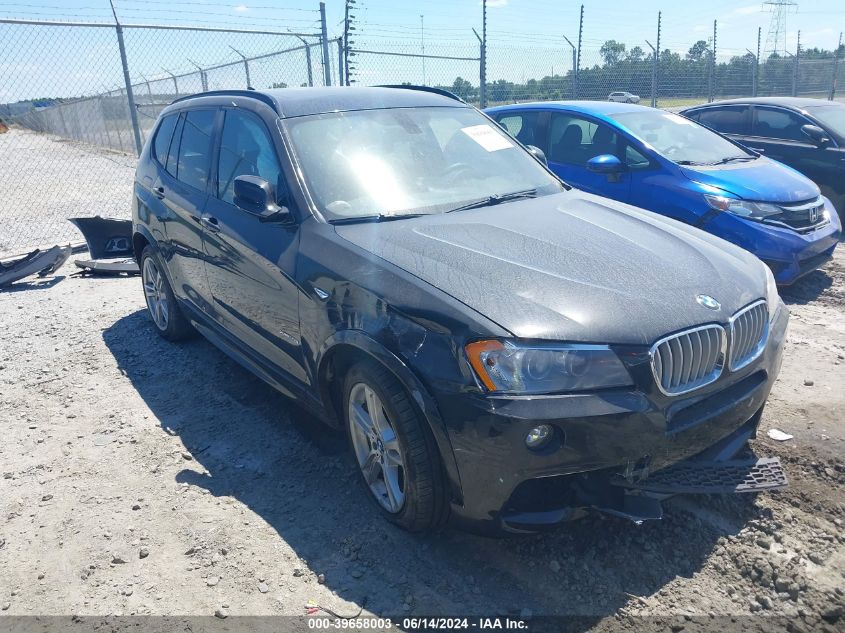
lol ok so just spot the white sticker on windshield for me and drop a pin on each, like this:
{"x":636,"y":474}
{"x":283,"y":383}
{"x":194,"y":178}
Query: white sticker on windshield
{"x":487,"y":137}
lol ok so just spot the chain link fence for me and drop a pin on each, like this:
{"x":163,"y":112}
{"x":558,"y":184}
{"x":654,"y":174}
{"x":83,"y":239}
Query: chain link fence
{"x":75,"y":108}
{"x":69,"y":147}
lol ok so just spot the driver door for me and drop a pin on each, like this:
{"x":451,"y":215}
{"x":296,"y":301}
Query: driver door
{"x":251,"y":264}
{"x":574,"y":140}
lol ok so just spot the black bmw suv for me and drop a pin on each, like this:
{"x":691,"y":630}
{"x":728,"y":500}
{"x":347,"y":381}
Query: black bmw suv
{"x":501,"y":349}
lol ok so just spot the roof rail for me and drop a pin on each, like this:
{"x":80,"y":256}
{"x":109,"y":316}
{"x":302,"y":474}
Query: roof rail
{"x":251,"y":93}
{"x":437,"y":91}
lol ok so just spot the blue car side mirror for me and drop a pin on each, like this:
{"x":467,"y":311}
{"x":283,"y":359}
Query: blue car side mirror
{"x":605,"y":164}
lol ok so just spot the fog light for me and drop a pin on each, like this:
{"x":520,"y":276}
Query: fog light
{"x":538,"y":436}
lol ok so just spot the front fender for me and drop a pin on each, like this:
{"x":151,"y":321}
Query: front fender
{"x":360,"y":341}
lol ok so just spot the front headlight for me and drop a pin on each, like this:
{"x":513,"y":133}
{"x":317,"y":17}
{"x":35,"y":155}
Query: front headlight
{"x":743,"y":208}
{"x":772,"y":295}
{"x":511,"y":367}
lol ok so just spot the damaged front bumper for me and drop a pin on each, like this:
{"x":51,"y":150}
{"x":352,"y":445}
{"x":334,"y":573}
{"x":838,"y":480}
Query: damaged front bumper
{"x":618,"y":451}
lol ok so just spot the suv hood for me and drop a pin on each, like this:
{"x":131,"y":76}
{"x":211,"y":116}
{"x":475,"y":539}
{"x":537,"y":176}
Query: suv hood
{"x":570,"y":267}
{"x":760,"y":180}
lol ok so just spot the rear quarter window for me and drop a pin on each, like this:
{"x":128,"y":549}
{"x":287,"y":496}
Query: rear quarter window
{"x":161,"y":141}
{"x":727,"y":120}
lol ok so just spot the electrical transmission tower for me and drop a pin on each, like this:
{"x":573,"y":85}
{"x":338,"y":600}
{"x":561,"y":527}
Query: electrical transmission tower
{"x":776,"y":39}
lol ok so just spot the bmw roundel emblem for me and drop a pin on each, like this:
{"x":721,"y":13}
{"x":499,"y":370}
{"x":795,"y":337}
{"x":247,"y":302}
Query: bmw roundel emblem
{"x":708,"y":302}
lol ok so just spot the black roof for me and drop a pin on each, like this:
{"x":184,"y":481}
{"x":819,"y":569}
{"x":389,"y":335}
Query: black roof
{"x":794,"y":103}
{"x":293,"y":102}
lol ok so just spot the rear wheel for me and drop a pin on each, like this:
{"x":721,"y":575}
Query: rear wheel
{"x":394,"y":449}
{"x":161,"y":303}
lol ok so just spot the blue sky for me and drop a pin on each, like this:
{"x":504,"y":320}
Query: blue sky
{"x":525,"y":37}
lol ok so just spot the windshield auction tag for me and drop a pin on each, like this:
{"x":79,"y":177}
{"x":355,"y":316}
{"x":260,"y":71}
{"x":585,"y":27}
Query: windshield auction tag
{"x":487,"y":137}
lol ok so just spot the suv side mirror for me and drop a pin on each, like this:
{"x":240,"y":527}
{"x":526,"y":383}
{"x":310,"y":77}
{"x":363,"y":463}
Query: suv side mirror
{"x":255,"y":195}
{"x":815,"y":134}
{"x":537,"y":153}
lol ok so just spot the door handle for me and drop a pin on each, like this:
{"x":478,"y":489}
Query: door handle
{"x":210,"y":223}
{"x":159,"y":192}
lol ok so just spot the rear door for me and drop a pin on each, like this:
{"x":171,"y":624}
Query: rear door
{"x":733,"y":121}
{"x":251,"y":264}
{"x":573,"y":140}
{"x":777,"y":133}
{"x":528,"y":126}
{"x":181,"y":186}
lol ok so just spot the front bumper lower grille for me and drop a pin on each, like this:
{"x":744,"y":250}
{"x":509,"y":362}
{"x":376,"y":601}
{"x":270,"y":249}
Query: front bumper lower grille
{"x":691,"y":359}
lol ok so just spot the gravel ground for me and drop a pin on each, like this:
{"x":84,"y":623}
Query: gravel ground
{"x":143,"y":477}
{"x":45,"y":179}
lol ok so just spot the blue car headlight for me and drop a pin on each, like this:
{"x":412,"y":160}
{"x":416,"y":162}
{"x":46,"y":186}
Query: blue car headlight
{"x":520,"y":368}
{"x":743,"y":208}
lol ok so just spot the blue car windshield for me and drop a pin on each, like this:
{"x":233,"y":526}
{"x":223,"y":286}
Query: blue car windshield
{"x":680,"y":140}
{"x":406,"y":161}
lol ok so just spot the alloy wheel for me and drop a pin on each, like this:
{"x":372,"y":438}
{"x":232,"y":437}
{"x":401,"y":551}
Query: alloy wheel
{"x":376,"y":447}
{"x":155,"y":294}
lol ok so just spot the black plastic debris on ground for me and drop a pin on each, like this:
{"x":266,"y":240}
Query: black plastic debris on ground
{"x":41,"y":262}
{"x":109,"y":246}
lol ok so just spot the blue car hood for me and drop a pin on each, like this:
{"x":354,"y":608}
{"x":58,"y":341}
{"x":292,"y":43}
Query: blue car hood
{"x":761,"y":180}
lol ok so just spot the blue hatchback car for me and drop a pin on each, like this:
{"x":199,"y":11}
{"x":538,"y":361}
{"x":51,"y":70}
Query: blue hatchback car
{"x":669,"y":164}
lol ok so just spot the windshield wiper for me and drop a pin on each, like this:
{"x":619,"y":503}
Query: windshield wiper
{"x":498,"y":198}
{"x":731,"y":159}
{"x":687,"y":162}
{"x":379,"y":217}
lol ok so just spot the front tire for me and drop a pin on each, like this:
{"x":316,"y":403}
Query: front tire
{"x":165,"y":313}
{"x":394,"y":449}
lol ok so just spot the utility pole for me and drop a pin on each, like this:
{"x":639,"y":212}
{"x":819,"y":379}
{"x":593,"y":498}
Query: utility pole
{"x":246,"y":66}
{"x":655,"y":60}
{"x":578,"y":58}
{"x":835,"y":62}
{"x":574,"y":62}
{"x":130,"y":98}
{"x":324,"y":39}
{"x":347,"y":27}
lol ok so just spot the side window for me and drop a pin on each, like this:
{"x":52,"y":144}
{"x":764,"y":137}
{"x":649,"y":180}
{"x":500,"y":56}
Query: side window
{"x":194,"y":157}
{"x":773,"y":123}
{"x":524,"y":127}
{"x":245,"y":150}
{"x":634,"y":159}
{"x":164,"y":133}
{"x":574,"y":141}
{"x":173,"y":152}
{"x":727,"y":120}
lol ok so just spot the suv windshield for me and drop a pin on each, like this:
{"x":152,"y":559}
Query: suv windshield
{"x":403,"y":161}
{"x":679,"y":139}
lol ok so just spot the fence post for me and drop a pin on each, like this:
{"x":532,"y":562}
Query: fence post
{"x":482,"y":79}
{"x":712,"y":91}
{"x":578,"y":58}
{"x":756,"y":79}
{"x":835,"y":62}
{"x":324,"y":39}
{"x":130,"y":98}
{"x":246,"y":66}
{"x":795,"y":67}
{"x":175,"y":81}
{"x":340,"y":73}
